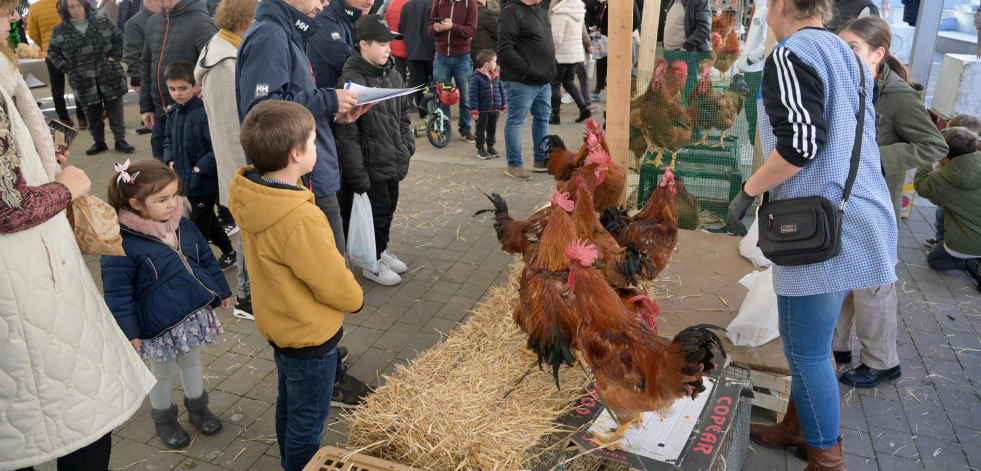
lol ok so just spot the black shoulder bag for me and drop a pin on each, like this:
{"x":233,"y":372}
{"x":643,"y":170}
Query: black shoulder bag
{"x":806,"y":230}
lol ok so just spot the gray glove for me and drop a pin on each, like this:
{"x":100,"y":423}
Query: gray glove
{"x":737,"y":209}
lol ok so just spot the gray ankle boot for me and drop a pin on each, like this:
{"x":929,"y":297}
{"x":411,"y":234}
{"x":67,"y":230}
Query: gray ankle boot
{"x":165,"y":422}
{"x":200,"y":416}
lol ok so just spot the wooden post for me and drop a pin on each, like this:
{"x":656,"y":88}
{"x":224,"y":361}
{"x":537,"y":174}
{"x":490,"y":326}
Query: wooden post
{"x":771,"y":42}
{"x":648,"y":42}
{"x":619,"y":62}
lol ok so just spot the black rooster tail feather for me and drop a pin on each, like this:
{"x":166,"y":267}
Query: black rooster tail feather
{"x":500,"y":206}
{"x":554,"y":353}
{"x":613,"y":219}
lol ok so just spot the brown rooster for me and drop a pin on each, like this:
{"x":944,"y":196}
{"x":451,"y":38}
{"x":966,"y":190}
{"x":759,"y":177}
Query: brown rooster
{"x":710,"y":109}
{"x":653,"y":230}
{"x":560,"y":161}
{"x":546,"y":308}
{"x":636,"y":370}
{"x":621,"y":265}
{"x":664,"y":123}
{"x":516,"y":236}
{"x":725,"y":41}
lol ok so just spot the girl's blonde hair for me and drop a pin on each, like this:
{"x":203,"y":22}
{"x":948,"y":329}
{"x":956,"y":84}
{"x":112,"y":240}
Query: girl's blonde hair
{"x":6,"y":8}
{"x":153,"y":177}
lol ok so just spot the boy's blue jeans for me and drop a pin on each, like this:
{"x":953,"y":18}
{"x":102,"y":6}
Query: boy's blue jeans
{"x":807,"y":324}
{"x":939,"y":224}
{"x":305,"y":389}
{"x":459,"y":68}
{"x":523,"y":98}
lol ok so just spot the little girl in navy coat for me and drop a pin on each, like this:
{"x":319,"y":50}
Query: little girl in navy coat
{"x":163,"y":292}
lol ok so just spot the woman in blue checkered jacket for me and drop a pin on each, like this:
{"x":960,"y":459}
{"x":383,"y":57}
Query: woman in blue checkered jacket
{"x":808,"y":119}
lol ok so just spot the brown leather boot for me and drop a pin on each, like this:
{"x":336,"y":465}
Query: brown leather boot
{"x":828,"y":459}
{"x":783,"y":434}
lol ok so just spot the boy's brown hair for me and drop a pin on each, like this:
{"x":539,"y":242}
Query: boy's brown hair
{"x":272,"y":129}
{"x":148,"y":177}
{"x":484,"y":56}
{"x":960,"y":141}
{"x":969,"y":121}
{"x":179,"y":70}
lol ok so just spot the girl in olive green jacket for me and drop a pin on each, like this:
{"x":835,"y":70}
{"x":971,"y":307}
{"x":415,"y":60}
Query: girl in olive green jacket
{"x":907,"y":139}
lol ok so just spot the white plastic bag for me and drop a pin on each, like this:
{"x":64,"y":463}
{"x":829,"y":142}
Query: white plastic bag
{"x":756,"y":323}
{"x":361,"y":235}
{"x":748,"y":248}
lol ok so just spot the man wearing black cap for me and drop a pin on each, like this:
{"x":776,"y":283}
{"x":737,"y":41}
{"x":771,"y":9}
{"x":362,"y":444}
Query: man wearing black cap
{"x":374,"y":151}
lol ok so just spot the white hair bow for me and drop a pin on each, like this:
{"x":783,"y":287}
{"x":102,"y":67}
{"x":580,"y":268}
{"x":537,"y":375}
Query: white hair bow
{"x":124,"y":176}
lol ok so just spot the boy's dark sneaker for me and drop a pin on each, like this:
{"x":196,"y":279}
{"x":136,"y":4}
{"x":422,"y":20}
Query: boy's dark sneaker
{"x":468,"y":136}
{"x":227,"y":260}
{"x":230,"y":229}
{"x":973,"y":269}
{"x":243,"y":308}
{"x":483,"y":154}
{"x":493,"y":152}
{"x":349,"y":392}
{"x":342,"y":353}
{"x":932,"y":242}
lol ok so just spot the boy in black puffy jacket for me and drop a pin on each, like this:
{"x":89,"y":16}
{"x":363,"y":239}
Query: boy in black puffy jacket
{"x":187,"y":149}
{"x":487,"y":100}
{"x":374,"y":151}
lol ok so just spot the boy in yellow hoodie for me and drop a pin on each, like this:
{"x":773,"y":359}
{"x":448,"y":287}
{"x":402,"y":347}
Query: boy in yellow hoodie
{"x":300,"y":286}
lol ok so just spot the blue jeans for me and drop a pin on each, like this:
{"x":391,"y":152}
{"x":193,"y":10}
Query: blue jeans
{"x":459,"y":68}
{"x":807,"y":324}
{"x":521,"y":99}
{"x":305,"y":388}
{"x":939,"y":224}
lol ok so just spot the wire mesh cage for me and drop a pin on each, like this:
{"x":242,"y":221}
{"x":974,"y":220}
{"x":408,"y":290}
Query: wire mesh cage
{"x":695,"y":114}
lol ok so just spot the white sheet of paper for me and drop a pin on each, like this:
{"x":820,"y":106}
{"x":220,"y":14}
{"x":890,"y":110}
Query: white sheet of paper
{"x":664,"y":434}
{"x":371,"y":95}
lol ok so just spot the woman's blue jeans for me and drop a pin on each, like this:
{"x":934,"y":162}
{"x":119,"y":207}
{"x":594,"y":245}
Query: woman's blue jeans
{"x":807,"y":324}
{"x":305,"y":389}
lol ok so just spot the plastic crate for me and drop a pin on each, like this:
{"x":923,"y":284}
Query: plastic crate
{"x":713,"y":185}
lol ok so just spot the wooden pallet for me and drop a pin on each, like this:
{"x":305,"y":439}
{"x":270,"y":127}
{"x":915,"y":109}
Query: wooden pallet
{"x":336,"y":459}
{"x":771,"y":391}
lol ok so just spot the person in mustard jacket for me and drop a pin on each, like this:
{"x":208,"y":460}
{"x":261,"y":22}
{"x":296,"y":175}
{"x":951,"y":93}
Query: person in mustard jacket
{"x":300,"y":285}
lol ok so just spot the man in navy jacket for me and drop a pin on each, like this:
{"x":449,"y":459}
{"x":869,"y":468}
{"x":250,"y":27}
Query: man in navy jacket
{"x":331,"y":45}
{"x":272,"y":63}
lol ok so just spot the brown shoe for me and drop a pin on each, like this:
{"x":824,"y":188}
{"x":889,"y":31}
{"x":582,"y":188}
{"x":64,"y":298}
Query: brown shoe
{"x":539,"y":167}
{"x":82,"y":124}
{"x":828,"y":459}
{"x":783,"y":434}
{"x":518,"y":173}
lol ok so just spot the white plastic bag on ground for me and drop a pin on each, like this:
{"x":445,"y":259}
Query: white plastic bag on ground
{"x":361,"y":235}
{"x":748,"y":248}
{"x":756,"y":323}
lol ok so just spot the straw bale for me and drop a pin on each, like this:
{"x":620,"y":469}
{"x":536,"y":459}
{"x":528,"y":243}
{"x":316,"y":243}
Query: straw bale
{"x":472,"y":402}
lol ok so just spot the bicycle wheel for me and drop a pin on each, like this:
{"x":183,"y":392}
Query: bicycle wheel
{"x":439,"y":135}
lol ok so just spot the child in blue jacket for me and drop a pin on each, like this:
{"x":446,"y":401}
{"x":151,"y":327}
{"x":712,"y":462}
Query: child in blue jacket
{"x":487,"y":101}
{"x":187,"y":149}
{"x":163,"y":292}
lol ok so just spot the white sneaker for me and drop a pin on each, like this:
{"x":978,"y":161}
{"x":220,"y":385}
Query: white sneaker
{"x":384,"y":275}
{"x":393,"y":262}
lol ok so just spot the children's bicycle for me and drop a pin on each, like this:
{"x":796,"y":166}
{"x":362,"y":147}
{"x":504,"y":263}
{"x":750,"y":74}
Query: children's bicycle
{"x":438,"y":128}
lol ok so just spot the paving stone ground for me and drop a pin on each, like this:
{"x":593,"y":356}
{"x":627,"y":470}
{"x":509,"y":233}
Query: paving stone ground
{"x":929,"y":419}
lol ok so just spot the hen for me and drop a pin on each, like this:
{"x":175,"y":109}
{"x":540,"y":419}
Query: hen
{"x":560,"y":161}
{"x":620,"y":264}
{"x":517,"y":236}
{"x":688,"y":206}
{"x":636,"y":370}
{"x":725,"y":41}
{"x":663,"y":122}
{"x":546,"y":308}
{"x":653,"y":230}
{"x":710,"y":109}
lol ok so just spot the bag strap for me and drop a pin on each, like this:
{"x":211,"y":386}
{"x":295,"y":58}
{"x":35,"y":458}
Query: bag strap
{"x":857,"y":147}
